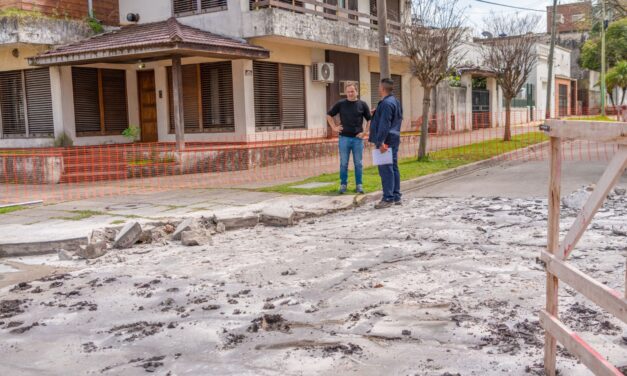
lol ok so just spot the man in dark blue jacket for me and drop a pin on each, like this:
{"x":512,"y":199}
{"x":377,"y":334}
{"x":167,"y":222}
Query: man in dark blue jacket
{"x":385,"y":133}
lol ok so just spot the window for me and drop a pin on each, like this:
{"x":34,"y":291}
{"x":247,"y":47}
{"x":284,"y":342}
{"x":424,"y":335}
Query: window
{"x":189,"y":7}
{"x":375,"y":78}
{"x":207,"y":98}
{"x":279,"y":96}
{"x":26,"y":104}
{"x":100,"y":102}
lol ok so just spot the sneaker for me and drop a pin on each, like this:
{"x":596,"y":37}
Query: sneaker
{"x":342,"y":188}
{"x":398,"y":203}
{"x":383,"y":204}
{"x":359,"y":189}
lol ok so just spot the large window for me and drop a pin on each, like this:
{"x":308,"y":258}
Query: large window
{"x":207,"y":98}
{"x":375,"y":78}
{"x":26,"y":104}
{"x":188,"y":7}
{"x":100,"y":102}
{"x":279,"y":96}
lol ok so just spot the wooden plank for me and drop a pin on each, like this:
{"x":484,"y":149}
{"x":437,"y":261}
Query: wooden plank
{"x":553,"y":228}
{"x":605,"y":297}
{"x":101,"y":103}
{"x":607,"y":181}
{"x":577,"y":346}
{"x":177,"y":96}
{"x":587,"y":130}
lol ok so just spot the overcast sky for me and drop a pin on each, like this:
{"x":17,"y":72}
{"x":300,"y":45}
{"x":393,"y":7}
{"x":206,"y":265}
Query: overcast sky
{"x":476,"y":11}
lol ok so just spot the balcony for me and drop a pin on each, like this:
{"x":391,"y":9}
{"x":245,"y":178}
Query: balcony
{"x":317,"y":21}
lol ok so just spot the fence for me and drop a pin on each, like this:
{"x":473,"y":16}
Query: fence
{"x":58,"y":174}
{"x":556,"y":255}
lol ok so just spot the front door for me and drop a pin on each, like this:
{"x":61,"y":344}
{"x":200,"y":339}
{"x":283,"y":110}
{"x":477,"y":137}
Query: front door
{"x":147,"y":105}
{"x":480,"y":109}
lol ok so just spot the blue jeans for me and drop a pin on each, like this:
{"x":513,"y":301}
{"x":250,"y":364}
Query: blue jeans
{"x":390,"y":176}
{"x":356,"y":146}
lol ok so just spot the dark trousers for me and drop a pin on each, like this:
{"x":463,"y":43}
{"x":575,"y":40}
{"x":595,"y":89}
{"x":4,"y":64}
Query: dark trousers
{"x":390,"y":176}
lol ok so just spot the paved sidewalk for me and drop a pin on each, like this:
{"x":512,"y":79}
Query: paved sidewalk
{"x":75,"y":219}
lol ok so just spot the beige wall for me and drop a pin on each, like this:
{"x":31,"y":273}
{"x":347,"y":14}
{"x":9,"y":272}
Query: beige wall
{"x":9,"y":62}
{"x":148,"y":10}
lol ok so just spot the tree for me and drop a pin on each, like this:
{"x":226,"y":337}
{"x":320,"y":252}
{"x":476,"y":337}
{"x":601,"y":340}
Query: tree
{"x":431,"y":34}
{"x":615,"y":47}
{"x":511,"y":56}
{"x":616,"y":78}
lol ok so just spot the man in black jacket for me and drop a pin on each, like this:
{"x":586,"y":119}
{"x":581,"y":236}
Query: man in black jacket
{"x":353,"y":112}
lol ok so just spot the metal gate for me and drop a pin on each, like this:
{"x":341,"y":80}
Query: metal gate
{"x":480,"y":109}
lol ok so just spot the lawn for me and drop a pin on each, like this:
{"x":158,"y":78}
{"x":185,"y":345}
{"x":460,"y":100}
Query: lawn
{"x":410,"y":168}
{"x":11,"y":209}
{"x":594,"y":118}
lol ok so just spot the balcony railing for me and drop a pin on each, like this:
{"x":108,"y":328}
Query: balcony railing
{"x":326,"y":11}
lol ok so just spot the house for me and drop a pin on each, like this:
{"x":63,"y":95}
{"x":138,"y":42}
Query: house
{"x":226,"y":70}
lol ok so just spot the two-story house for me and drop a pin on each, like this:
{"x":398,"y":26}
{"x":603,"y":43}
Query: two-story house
{"x":224,"y":70}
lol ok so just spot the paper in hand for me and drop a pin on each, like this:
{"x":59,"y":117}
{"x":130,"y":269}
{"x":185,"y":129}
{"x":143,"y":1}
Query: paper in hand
{"x":379,"y":158}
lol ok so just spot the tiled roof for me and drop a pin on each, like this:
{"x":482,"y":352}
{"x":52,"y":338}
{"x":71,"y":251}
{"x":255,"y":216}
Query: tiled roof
{"x":163,"y":34}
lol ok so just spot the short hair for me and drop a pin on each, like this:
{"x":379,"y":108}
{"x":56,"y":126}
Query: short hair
{"x":388,"y":85}
{"x":354,"y":85}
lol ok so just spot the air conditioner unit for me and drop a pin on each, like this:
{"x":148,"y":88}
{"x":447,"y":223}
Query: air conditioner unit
{"x":322,"y":72}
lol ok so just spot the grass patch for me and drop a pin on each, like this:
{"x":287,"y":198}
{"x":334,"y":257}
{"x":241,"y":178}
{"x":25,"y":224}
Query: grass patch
{"x":118,"y":222}
{"x":410,"y":168}
{"x":145,"y":162}
{"x":79,"y":215}
{"x":594,"y":118}
{"x":11,"y":209}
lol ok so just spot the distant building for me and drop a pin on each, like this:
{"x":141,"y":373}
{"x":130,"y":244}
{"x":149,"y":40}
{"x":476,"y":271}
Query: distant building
{"x":572,"y":17}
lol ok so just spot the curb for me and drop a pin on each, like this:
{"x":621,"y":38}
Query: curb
{"x":47,"y":247}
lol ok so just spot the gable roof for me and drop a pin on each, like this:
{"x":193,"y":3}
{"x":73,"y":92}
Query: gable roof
{"x":149,"y":41}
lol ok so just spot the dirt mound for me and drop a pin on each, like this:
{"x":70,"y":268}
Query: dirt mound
{"x":269,"y":323}
{"x":10,"y":308}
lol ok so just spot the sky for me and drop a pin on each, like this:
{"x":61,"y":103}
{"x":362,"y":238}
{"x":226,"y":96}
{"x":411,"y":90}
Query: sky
{"x":477,"y":11}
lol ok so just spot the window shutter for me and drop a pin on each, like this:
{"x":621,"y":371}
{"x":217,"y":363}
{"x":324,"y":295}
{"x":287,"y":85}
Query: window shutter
{"x":184,"y":6}
{"x":114,"y":95}
{"x":266,"y":82}
{"x":12,"y":104}
{"x":217,"y":96}
{"x":210,"y":4}
{"x":292,"y":96}
{"x":191,"y":117}
{"x":39,"y":102}
{"x":86,"y":100}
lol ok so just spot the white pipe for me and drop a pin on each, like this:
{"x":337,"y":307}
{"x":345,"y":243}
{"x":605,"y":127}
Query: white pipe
{"x":90,"y":6}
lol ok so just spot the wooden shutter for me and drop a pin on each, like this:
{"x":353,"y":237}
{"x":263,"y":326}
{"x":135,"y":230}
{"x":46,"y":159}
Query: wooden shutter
{"x":12,"y":104}
{"x":292,"y":96}
{"x":114,"y":99}
{"x":375,"y":78}
{"x":267,"y":107}
{"x":39,"y":102}
{"x":86,"y":100}
{"x":212,"y":4}
{"x":191,"y":101}
{"x":217,"y":96}
{"x":184,"y":6}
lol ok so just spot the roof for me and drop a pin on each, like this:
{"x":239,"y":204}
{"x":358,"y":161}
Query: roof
{"x":476,"y":70}
{"x":152,"y":40}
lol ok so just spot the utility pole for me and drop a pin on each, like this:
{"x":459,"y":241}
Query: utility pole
{"x":384,"y":39}
{"x":550,"y":60}
{"x":603,"y":94}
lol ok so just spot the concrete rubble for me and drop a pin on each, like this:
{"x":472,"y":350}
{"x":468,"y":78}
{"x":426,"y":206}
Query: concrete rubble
{"x":128,"y":235}
{"x":439,"y":286}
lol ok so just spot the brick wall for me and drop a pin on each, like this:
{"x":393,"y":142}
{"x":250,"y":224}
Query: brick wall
{"x":570,"y":17}
{"x":105,"y":10}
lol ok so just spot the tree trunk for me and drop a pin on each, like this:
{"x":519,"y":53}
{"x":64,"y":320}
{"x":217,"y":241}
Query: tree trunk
{"x":508,"y":116}
{"x":424,"y":127}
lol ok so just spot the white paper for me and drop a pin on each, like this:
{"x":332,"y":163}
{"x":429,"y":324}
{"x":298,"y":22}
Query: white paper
{"x":379,"y":158}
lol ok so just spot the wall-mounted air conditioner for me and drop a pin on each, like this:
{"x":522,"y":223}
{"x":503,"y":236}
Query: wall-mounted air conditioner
{"x":322,"y":72}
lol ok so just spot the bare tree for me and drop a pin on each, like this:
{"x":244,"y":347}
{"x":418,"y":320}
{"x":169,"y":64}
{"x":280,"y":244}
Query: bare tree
{"x":511,"y":55}
{"x":432,"y":31}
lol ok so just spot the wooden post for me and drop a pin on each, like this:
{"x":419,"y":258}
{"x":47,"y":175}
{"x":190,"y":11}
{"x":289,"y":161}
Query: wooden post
{"x":555,"y":181}
{"x":177,"y":100}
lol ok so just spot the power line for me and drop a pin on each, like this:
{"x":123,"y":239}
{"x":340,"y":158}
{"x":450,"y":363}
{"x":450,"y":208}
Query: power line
{"x":511,"y":6}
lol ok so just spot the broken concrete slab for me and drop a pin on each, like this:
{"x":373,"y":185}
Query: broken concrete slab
{"x":237,"y":221}
{"x":280,"y":215}
{"x":108,"y":235}
{"x":65,"y":255}
{"x":577,"y":199}
{"x":192,"y":238}
{"x":128,"y":236}
{"x":93,"y":250}
{"x":325,"y":207}
{"x":187,"y":225}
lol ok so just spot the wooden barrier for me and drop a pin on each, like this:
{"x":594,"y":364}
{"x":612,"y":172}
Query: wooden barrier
{"x":557,"y":269}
